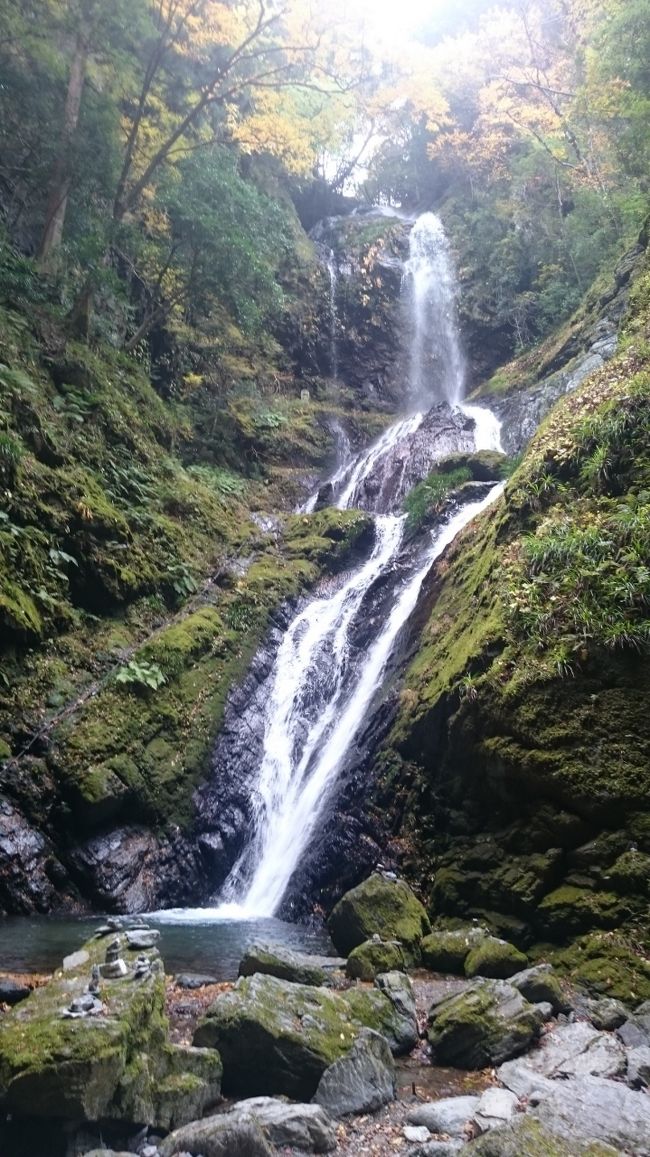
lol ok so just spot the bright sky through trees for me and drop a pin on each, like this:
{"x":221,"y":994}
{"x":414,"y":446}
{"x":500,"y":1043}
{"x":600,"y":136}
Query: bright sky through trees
{"x":394,"y":19}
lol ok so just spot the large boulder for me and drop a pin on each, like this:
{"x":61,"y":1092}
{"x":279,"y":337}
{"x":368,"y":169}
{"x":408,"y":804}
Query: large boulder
{"x":373,"y":957}
{"x":379,"y":907}
{"x":495,"y":958}
{"x":362,"y":1081}
{"x":279,"y":1037}
{"x":67,"y":1056}
{"x":486,"y":1024}
{"x":578,"y":1049}
{"x":304,"y":1127}
{"x":448,"y":1115}
{"x":397,"y":1021}
{"x":446,"y":951}
{"x":602,"y":1110}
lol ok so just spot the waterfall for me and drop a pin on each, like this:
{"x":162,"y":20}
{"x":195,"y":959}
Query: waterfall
{"x":333,"y":274}
{"x":334,"y":655}
{"x":437,"y":370}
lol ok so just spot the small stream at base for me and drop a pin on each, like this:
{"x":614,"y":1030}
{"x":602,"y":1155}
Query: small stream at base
{"x":190,"y":940}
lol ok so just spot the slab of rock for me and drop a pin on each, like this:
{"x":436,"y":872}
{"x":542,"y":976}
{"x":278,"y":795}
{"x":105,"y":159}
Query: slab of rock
{"x":448,"y":1115}
{"x":601,"y":1110}
{"x":521,"y":1079}
{"x":578,"y":1049}
{"x":638,"y":1067}
{"x":382,"y":907}
{"x":495,"y":1107}
{"x":526,"y":1137}
{"x":304,"y":1127}
{"x":278,"y":1037}
{"x":140,"y":939}
{"x":402,"y":1030}
{"x":488,"y":1023}
{"x":494,"y":958}
{"x":540,"y":985}
{"x":273,"y":960}
{"x":433,"y":1148}
{"x":362,"y":1081}
{"x":373,"y":957}
{"x":13,"y":991}
{"x":447,"y":951}
{"x":636,"y":1030}
{"x":193,"y":980}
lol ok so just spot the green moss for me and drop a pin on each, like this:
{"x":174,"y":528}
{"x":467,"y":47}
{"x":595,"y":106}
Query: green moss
{"x":607,"y":964}
{"x":387,"y":908}
{"x":569,"y":910}
{"x":371,"y":958}
{"x":446,"y":951}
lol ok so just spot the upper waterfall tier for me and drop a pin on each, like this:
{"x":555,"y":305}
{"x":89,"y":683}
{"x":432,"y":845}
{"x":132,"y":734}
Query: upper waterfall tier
{"x":437,"y":370}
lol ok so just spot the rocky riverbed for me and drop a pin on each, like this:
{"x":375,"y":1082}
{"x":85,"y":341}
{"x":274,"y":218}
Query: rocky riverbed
{"x":421,"y":1042}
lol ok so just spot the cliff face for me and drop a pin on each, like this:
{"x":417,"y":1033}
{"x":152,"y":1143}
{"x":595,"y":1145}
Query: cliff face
{"x":517,"y":772}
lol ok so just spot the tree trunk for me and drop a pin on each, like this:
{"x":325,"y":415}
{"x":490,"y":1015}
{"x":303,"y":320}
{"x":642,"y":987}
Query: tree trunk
{"x":57,"y":202}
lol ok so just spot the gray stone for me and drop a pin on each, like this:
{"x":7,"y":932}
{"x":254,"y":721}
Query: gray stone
{"x":636,"y":1030}
{"x":361,"y":1081}
{"x":495,"y":1107}
{"x":12,"y":991}
{"x":193,"y":980}
{"x":217,"y":1137}
{"x":448,"y":1115}
{"x":521,"y":1079}
{"x":540,"y":985}
{"x":304,"y":1127}
{"x":590,"y":1107}
{"x":545,"y":1010}
{"x":577,"y":1049}
{"x":488,"y":1023}
{"x":416,"y":1133}
{"x":142,"y":938}
{"x":75,"y":960}
{"x":275,"y":960}
{"x":403,"y":1034}
{"x":606,"y":1014}
{"x":638,"y":1067}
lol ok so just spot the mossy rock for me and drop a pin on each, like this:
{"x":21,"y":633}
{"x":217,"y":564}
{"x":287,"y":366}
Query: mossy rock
{"x":119,"y":1065}
{"x":606,"y":965}
{"x":630,"y":873}
{"x":495,"y":958}
{"x":526,"y":1137}
{"x":280,"y":962}
{"x":369,"y":959}
{"x":446,"y":951}
{"x":276,"y":1037}
{"x":484,"y":466}
{"x":485,"y":1025}
{"x":569,"y":910}
{"x":382,"y":907}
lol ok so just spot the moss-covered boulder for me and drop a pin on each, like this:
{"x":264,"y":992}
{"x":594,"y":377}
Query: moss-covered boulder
{"x":541,"y":985}
{"x":278,"y":1037}
{"x":115,"y":1063}
{"x":446,"y":950}
{"x":495,"y":958}
{"x":570,"y":910}
{"x":369,"y":959}
{"x":383,"y":907}
{"x":484,"y":1025}
{"x":605,"y":964}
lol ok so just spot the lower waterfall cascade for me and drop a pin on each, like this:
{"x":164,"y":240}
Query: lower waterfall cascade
{"x":322,"y":687}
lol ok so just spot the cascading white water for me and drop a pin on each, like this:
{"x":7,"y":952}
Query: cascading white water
{"x":333,"y":274}
{"x":437,"y":369}
{"x":321,"y":689}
